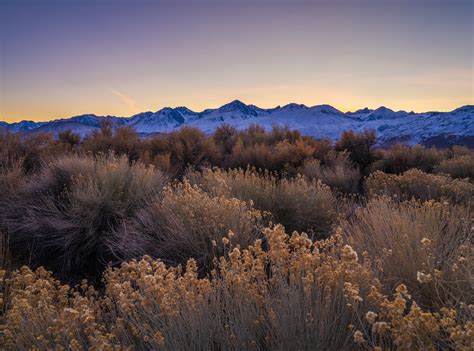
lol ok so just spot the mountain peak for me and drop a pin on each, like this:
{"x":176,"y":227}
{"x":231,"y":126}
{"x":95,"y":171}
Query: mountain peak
{"x":364,"y":110}
{"x":184,"y":110}
{"x":237,"y":106}
{"x":383,"y":109}
{"x":293,"y":106}
{"x":326,"y":109}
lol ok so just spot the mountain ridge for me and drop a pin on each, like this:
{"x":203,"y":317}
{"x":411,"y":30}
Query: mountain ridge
{"x":320,"y":121}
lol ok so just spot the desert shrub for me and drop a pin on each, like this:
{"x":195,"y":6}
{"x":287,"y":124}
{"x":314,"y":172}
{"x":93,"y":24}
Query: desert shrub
{"x":100,"y":141}
{"x":297,"y":294}
{"x":69,"y":139}
{"x":322,"y":148}
{"x":154,"y":151}
{"x":338,"y":172}
{"x":290,"y":156}
{"x":457,"y":150}
{"x":63,"y":218}
{"x":283,"y":133}
{"x":259,"y":156}
{"x":253,"y":135}
{"x":11,"y":149}
{"x":457,"y":167}
{"x":190,"y":146}
{"x":303,"y":205}
{"x":420,"y":185}
{"x":11,"y":176}
{"x":122,"y":141}
{"x":225,"y":137}
{"x":126,"y":142}
{"x":31,"y":150}
{"x":281,"y":150}
{"x":426,"y":246}
{"x":189,"y":223}
{"x":247,"y":185}
{"x":359,"y":146}
{"x":400,"y":158}
{"x":299,"y":204}
{"x":51,"y":315}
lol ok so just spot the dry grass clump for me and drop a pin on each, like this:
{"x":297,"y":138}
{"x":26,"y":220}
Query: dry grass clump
{"x":457,"y":167}
{"x":426,"y":246}
{"x":400,"y":158}
{"x":63,"y":218}
{"x":299,"y":204}
{"x":338,"y":172}
{"x":420,"y":185}
{"x":189,"y":223}
{"x":298,"y":294}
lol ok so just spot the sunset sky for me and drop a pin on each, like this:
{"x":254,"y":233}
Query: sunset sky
{"x":120,"y":57}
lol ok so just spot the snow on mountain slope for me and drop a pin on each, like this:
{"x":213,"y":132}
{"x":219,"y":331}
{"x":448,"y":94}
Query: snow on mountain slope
{"x":163,"y":120}
{"x":82,"y":125}
{"x":23,"y":126}
{"x":420,"y":127}
{"x":321,"y":121}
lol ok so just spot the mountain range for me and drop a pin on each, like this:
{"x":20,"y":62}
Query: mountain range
{"x":320,"y":121}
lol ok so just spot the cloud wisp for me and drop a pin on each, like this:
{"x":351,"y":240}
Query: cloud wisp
{"x":127,"y":100}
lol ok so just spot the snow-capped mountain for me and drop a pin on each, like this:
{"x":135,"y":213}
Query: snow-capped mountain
{"x":321,"y":121}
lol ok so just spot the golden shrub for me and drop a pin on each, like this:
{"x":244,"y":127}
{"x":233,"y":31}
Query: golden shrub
{"x":420,"y":185}
{"x":424,"y":245}
{"x":296,"y":294}
{"x":298,"y":203}
{"x":457,"y":167}
{"x":185,"y":223}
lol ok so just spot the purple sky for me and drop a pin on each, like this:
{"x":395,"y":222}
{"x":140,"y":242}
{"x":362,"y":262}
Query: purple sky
{"x":68,"y":57}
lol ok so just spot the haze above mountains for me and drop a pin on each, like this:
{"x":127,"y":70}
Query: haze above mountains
{"x":320,"y":121}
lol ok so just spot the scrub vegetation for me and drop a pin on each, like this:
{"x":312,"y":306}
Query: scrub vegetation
{"x":238,"y":240}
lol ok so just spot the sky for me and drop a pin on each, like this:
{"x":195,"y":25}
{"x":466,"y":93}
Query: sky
{"x":60,"y":58}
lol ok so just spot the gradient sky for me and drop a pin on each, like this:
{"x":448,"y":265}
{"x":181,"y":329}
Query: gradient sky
{"x":120,"y":57}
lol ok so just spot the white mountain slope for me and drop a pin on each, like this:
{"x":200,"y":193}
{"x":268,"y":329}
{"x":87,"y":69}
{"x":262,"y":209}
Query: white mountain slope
{"x":321,"y":121}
